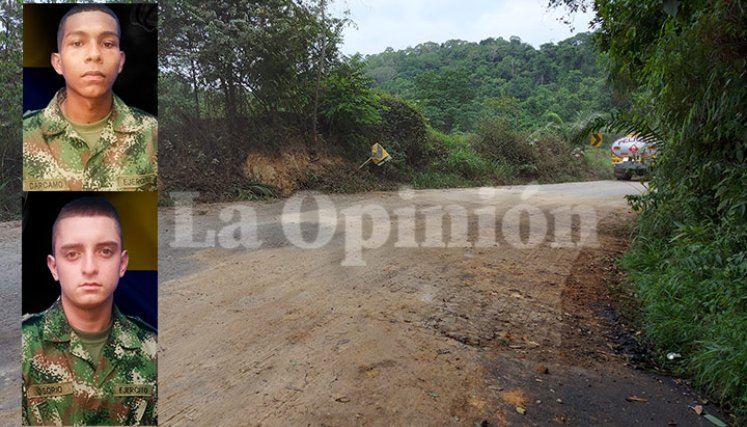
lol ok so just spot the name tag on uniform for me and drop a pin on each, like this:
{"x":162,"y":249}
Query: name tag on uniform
{"x":44,"y":184}
{"x":121,"y":390}
{"x":49,"y":390}
{"x":135,"y":181}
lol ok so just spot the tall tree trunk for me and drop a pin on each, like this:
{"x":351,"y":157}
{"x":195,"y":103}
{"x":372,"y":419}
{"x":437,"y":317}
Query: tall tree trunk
{"x":319,"y":68}
{"x":195,"y":88}
{"x":229,"y":90}
{"x":232,"y":111}
{"x":193,"y":75}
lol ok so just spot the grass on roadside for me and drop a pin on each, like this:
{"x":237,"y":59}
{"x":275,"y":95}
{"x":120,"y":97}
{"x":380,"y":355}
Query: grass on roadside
{"x":598,"y":162}
{"x":693,"y":293}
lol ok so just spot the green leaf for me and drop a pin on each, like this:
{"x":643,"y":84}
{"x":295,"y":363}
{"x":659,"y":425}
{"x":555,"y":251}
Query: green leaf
{"x":715,"y":420}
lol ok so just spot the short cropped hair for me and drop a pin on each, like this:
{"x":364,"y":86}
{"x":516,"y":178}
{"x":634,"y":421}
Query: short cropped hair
{"x":91,"y":7}
{"x":88,"y":206}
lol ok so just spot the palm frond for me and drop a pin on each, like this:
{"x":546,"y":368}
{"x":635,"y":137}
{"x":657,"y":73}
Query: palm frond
{"x":616,"y":122}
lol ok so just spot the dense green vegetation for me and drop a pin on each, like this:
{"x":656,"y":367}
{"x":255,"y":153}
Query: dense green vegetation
{"x":10,"y":118}
{"x":247,"y":75}
{"x":250,"y":75}
{"x":502,"y":111}
{"x":458,"y":83}
{"x":230,"y":82}
{"x":684,"y":65}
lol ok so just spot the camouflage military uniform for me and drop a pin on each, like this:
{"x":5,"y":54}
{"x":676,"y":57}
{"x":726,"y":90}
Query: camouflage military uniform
{"x":56,"y":157}
{"x":61,"y":385}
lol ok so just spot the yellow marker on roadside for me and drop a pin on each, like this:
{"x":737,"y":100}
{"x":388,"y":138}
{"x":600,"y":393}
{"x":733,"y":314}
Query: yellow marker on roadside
{"x":379,"y":156}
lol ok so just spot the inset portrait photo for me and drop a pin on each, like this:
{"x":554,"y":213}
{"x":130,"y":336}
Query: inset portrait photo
{"x":90,"y":78}
{"x":89,"y":302}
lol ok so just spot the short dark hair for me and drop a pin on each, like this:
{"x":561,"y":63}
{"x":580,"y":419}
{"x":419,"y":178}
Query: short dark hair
{"x":87,"y":206}
{"x":91,"y":7}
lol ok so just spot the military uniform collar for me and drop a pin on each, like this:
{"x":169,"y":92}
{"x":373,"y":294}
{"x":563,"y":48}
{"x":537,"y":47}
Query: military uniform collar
{"x":122,"y":120}
{"x":124,"y":332}
{"x":56,"y":328}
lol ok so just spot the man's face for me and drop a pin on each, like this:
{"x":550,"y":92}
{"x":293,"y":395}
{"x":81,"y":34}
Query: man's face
{"x":88,"y":260}
{"x":89,"y":57}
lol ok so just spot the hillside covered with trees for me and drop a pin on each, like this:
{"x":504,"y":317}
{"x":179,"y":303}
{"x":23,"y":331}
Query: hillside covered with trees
{"x":245,"y":83}
{"x":235,"y":89}
{"x":248,"y":76}
{"x":457,"y":83}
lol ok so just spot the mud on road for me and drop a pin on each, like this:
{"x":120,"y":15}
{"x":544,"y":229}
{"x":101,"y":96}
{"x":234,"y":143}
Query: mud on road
{"x":460,"y":336}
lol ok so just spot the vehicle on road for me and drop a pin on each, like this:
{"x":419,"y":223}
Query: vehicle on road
{"x":632,"y":156}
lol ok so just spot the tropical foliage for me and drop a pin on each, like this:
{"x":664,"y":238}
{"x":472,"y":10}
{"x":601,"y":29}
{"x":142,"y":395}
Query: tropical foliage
{"x":457,"y":83}
{"x":248,"y":75}
{"x":684,"y":66}
{"x":10,"y":119}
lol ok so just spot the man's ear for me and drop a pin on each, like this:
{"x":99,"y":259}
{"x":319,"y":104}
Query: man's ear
{"x":56,"y":61}
{"x":52,"y":265}
{"x":125,"y":259}
{"x":121,"y":61}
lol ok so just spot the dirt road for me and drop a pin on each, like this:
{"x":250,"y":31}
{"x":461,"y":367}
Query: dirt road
{"x":465,"y":319}
{"x":464,"y":334}
{"x":10,"y":322}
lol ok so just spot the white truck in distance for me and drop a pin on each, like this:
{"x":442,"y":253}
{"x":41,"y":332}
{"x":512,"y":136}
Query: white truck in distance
{"x":631,"y":156}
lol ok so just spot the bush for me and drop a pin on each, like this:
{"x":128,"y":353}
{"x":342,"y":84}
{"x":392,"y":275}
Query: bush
{"x":598,"y":162}
{"x":454,"y":154}
{"x":496,"y":139}
{"x":693,"y":290}
{"x":461,"y":159}
{"x":557,"y":160}
{"x":435,"y":179}
{"x":403,"y":131}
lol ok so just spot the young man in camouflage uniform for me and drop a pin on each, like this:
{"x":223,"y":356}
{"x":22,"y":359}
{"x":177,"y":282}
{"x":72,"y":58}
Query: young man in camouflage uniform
{"x":87,"y":138}
{"x":83,"y":361}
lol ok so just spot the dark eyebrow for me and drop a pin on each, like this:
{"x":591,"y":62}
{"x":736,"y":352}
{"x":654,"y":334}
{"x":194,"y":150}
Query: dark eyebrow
{"x":83,"y":33}
{"x":107,"y":244}
{"x":110,"y":243}
{"x":71,"y":246}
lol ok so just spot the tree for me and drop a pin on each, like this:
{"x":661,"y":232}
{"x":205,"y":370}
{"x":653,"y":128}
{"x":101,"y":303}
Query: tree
{"x":260,"y":54}
{"x":319,"y":69}
{"x":180,"y":41}
{"x":446,"y":98}
{"x":347,"y":105}
{"x":682,"y":67}
{"x":10,"y":100}
{"x":492,"y":68}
